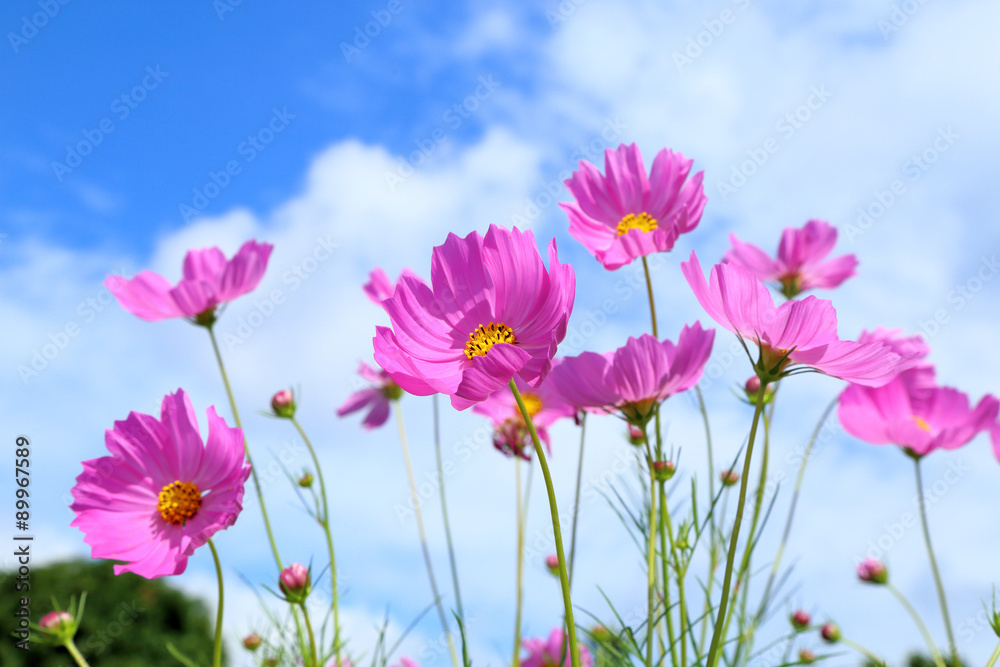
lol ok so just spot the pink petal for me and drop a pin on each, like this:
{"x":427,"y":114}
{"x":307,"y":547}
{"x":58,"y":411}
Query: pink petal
{"x":378,"y":414}
{"x":358,"y":401}
{"x":146,"y":296}
{"x":245,"y":270}
{"x":204,"y":265}
{"x":753,"y":259}
{"x":488,"y":374}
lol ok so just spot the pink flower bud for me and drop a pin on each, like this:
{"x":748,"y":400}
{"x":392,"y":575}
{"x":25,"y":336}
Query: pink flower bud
{"x":752,"y":385}
{"x":830,"y":633}
{"x":56,"y":620}
{"x":552,"y":562}
{"x":252,"y":641}
{"x":635,"y":435}
{"x":294,"y":582}
{"x":283,"y":404}
{"x":663,"y":470}
{"x":806,"y":656}
{"x":729,"y":477}
{"x":873,"y":571}
{"x":800,"y":619}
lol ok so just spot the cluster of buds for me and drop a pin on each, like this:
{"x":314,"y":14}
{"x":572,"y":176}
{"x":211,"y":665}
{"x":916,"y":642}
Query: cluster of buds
{"x":873,"y":571}
{"x":296,"y":583}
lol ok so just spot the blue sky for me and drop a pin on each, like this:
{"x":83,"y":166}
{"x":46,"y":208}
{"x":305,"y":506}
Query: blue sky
{"x":844,"y":100}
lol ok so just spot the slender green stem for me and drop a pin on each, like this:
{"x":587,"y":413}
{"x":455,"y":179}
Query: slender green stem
{"x":325,"y":523}
{"x":667,"y":533}
{"x":444,"y":510}
{"x":952,"y":647}
{"x":935,"y":653}
{"x":649,"y":289}
{"x":850,"y":643}
{"x":576,"y":498}
{"x":217,"y":649}
{"x":791,"y":510}
{"x":993,"y":659}
{"x":713,"y":650}
{"x":423,"y":535}
{"x":516,"y":661}
{"x":312,"y":637}
{"x":651,"y":567}
{"x":78,"y":657}
{"x":246,"y":448}
{"x":574,"y":648}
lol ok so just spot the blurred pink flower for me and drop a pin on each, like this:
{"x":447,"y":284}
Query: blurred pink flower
{"x":636,"y":376}
{"x":546,"y":653}
{"x":294,"y":581}
{"x":920,"y":419}
{"x":913,"y":367}
{"x":492,"y":311}
{"x":162,"y":493}
{"x":56,"y":620}
{"x":624,"y":215}
{"x":995,"y":437}
{"x":376,"y":398}
{"x":209,"y":281}
{"x":379,"y":287}
{"x":793,"y":335}
{"x":545,"y":406}
{"x":799,"y":265}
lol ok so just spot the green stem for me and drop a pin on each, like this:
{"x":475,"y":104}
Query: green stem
{"x":934,"y":566}
{"x":665,"y":534}
{"x":217,"y":650}
{"x":329,"y":538}
{"x":246,"y":448}
{"x":444,"y":511}
{"x":423,"y":535}
{"x":849,"y":643}
{"x":996,"y":654}
{"x":312,"y":637}
{"x":576,"y":498}
{"x":78,"y":657}
{"x":935,"y":653}
{"x":574,"y":648}
{"x":520,"y":564}
{"x":791,"y":510}
{"x":649,"y":289}
{"x":651,"y":567}
{"x":713,"y":650}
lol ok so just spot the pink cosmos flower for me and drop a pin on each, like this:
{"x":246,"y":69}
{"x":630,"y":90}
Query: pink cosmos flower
{"x":624,"y":215}
{"x":636,"y":376}
{"x":379,"y":287}
{"x":995,"y":437}
{"x":794,"y":335}
{"x":913,"y":367}
{"x":799,"y":265}
{"x":546,"y":653}
{"x":920,"y":419}
{"x":492,"y":312}
{"x":162,"y":493}
{"x":209,"y":281}
{"x":545,"y":406}
{"x":377,"y":398}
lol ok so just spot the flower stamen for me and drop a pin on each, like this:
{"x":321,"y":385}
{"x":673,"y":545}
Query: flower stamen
{"x":484,"y":338}
{"x":923,"y":425}
{"x":179,"y":501}
{"x":643,"y":221}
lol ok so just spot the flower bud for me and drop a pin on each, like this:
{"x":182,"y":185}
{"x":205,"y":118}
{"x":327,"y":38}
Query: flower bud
{"x":601,"y":633}
{"x":800,"y":620}
{"x":294,"y":582}
{"x":830,"y":633}
{"x":306,"y":480}
{"x":55,"y":620}
{"x":252,"y":641}
{"x":806,"y":656}
{"x":729,"y":477}
{"x":270,"y":661}
{"x":873,"y":571}
{"x":663,"y":470}
{"x":752,"y":386}
{"x":636,"y":436}
{"x":552,"y":563}
{"x":283,"y":404}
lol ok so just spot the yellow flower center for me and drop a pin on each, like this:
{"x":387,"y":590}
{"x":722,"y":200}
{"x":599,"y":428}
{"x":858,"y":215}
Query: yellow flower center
{"x":643,"y":221}
{"x":921,"y":423}
{"x":484,"y":338}
{"x":532,"y":403}
{"x":179,"y":501}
